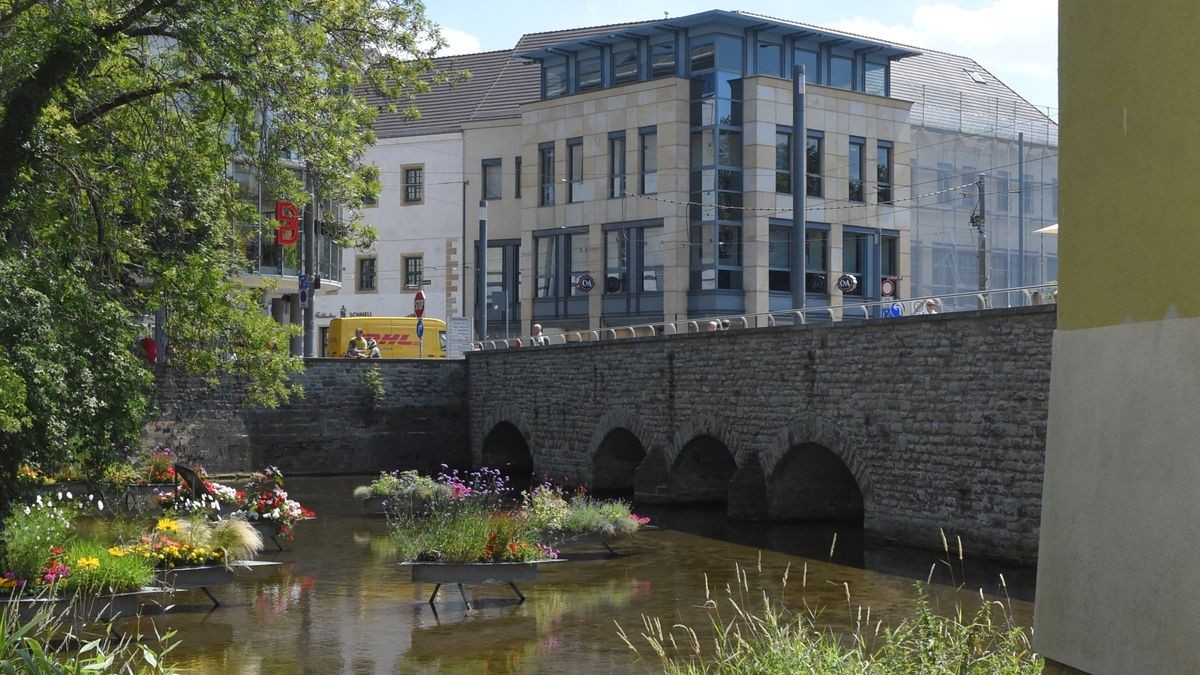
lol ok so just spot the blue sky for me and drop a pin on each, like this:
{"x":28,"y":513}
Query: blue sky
{"x":1017,"y":40}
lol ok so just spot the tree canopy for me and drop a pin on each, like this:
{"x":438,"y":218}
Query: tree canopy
{"x":119,"y":122}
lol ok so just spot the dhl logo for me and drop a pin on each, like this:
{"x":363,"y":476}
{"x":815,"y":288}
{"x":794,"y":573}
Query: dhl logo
{"x":390,"y":338}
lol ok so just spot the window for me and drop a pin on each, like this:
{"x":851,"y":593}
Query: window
{"x":889,"y":252}
{"x":633,"y":259}
{"x":769,"y":59}
{"x":517,"y":183}
{"x":779,"y":258}
{"x":841,"y":72}
{"x":414,"y":270}
{"x":856,"y":168}
{"x":492,"y":185}
{"x":503,"y":283}
{"x":813,"y":152}
{"x":883,"y":170}
{"x":545,"y":251}
{"x":875,"y":78}
{"x":1002,"y":189}
{"x":662,"y":57}
{"x":574,"y":169}
{"x":369,"y":174}
{"x":414,"y":184}
{"x":856,"y":249}
{"x":588,"y":70}
{"x":816,"y":257}
{"x":704,"y":54}
{"x":554,"y":77}
{"x":366,"y":274}
{"x":783,"y":162}
{"x":546,"y":174}
{"x":649,"y":143}
{"x":808,"y":59}
{"x":1027,"y":195}
{"x":969,"y":194}
{"x":616,"y":164}
{"x":945,"y":181}
{"x":625,"y":64}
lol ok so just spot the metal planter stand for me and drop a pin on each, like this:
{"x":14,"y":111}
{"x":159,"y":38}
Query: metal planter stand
{"x":460,"y":574}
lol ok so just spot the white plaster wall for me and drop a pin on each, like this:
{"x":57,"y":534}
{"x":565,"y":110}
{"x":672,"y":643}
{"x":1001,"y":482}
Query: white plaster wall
{"x":432,"y":229}
{"x":1117,"y":587}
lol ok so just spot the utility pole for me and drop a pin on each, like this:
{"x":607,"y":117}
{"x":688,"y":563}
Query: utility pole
{"x":1020,"y":208}
{"x":309,"y":251}
{"x":799,"y":189}
{"x":977,"y":221}
{"x":481,"y":272}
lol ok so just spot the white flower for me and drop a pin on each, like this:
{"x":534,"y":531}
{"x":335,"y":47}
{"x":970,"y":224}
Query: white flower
{"x":100,"y":505}
{"x":69,"y":495}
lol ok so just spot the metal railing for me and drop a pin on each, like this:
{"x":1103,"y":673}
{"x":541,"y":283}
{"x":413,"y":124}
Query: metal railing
{"x":947,"y":303}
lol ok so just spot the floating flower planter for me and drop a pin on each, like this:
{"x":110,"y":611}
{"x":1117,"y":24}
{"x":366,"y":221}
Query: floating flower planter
{"x":474,"y":573}
{"x":140,"y":497}
{"x":205,"y":577}
{"x":375,"y":506}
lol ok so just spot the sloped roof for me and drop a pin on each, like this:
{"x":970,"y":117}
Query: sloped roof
{"x":939,"y":84}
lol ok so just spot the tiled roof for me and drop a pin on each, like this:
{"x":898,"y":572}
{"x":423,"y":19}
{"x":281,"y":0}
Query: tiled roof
{"x":938,"y":83}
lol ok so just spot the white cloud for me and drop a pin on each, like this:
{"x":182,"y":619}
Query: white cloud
{"x":458,"y":42}
{"x":1017,"y":40}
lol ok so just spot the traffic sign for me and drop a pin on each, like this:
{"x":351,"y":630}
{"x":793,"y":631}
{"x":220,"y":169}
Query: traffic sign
{"x":420,"y":328}
{"x":586,"y":283}
{"x":303,"y":279}
{"x":303,"y":297}
{"x":897,"y":309}
{"x":847,"y":283}
{"x":419,"y":305}
{"x":887,"y":288}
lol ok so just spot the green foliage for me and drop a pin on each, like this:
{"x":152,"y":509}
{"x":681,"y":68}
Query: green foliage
{"x":373,"y":390}
{"x":35,"y":647}
{"x":774,"y":640}
{"x":30,"y":533}
{"x":119,"y":122}
{"x":95,"y":571}
{"x":463,"y":535}
{"x":610,"y":518}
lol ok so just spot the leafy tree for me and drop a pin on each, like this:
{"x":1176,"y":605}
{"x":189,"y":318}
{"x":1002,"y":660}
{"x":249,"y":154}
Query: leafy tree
{"x":119,"y":122}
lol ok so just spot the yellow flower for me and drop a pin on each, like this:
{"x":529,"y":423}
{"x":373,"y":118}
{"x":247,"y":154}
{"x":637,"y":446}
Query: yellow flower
{"x":166,"y":525}
{"x":116,"y":551}
{"x":88,"y":563}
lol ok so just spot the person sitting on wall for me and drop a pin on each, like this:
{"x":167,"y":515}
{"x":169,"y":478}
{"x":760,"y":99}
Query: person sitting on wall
{"x":373,"y":349}
{"x":539,"y":340}
{"x":357,"y":349}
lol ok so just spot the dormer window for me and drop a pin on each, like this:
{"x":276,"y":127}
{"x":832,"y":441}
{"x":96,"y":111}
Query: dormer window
{"x":625,"y":63}
{"x":589,"y":70}
{"x":555,"y":77}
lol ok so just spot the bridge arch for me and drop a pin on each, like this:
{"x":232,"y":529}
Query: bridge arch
{"x":813,"y":472}
{"x":619,"y":445}
{"x":504,"y":442}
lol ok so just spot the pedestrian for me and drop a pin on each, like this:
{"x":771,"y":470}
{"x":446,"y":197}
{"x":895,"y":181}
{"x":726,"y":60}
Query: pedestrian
{"x":930,"y":307}
{"x":357,"y":349}
{"x":537,"y":339}
{"x":373,"y":349}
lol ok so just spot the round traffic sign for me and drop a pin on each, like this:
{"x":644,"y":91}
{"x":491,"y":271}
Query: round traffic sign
{"x":586,"y":283}
{"x":847,"y":283}
{"x":303,"y":297}
{"x":419,"y":305}
{"x":897,"y":309}
{"x":887,"y":288}
{"x":420,"y":328}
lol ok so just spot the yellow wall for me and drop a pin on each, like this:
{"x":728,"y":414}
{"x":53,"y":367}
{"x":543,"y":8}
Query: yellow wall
{"x":1130,"y":151}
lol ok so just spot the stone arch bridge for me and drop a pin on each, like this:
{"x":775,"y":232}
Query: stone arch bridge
{"x":911,"y":425}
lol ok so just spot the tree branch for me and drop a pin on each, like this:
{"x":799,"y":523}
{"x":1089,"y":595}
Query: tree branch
{"x":83,"y":119}
{"x":133,"y":16}
{"x":15,"y":11}
{"x":159,"y":30}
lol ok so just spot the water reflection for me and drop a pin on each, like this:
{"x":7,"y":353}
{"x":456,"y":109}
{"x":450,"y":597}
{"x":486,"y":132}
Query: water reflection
{"x":341,"y":604}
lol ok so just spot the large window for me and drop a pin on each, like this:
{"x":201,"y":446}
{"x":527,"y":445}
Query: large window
{"x":616,"y":164}
{"x":875,"y":78}
{"x":649,"y":157}
{"x":816,"y":260}
{"x":809,"y":59}
{"x":1002,"y":190}
{"x":554,"y":77}
{"x":662,"y":56}
{"x":768,"y":59}
{"x":545,"y":251}
{"x":841,"y":72}
{"x":856,"y":251}
{"x":945,"y":181}
{"x":969,"y":194}
{"x":857,"y":147}
{"x":633,"y":260}
{"x":414,"y":269}
{"x":812,"y":157}
{"x":366,"y":274}
{"x":883,"y":171}
{"x":1027,"y":194}
{"x":589,"y":70}
{"x":889,"y":257}
{"x":783,"y":162}
{"x":779,"y":258}
{"x":503,"y":281}
{"x":414,"y":184}
{"x":574,"y":169}
{"x":625,"y":63}
{"x":546,"y":174}
{"x":492,"y":185}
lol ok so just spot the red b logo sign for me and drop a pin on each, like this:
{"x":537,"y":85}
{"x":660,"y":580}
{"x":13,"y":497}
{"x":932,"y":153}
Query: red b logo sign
{"x":287,"y":214}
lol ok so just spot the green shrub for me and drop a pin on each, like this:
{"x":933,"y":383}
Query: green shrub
{"x":30,"y":534}
{"x":94,"y":571}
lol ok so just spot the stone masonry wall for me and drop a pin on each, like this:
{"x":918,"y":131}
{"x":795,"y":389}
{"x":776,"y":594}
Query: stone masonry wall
{"x":940,"y":419}
{"x":420,"y":423}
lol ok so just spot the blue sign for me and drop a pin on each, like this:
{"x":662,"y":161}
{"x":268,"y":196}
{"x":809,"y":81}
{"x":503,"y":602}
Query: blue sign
{"x":420,"y":328}
{"x":897,"y":310}
{"x":586,"y":283}
{"x":303,"y":297}
{"x":303,"y":281}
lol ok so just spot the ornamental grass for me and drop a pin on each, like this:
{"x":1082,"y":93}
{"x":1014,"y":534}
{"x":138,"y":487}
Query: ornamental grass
{"x":45,"y":644}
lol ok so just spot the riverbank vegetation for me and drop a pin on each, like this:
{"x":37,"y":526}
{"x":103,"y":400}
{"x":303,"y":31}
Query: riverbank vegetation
{"x":754,"y":632}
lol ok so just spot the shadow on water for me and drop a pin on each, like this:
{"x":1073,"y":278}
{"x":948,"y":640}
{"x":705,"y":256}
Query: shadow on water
{"x":851,"y":548}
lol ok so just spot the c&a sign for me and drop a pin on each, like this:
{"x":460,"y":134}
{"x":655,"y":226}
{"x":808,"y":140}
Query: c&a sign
{"x":288,"y":216}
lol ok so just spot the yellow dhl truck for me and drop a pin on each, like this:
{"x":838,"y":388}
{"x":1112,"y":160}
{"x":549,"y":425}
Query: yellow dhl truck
{"x":396,"y":336}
